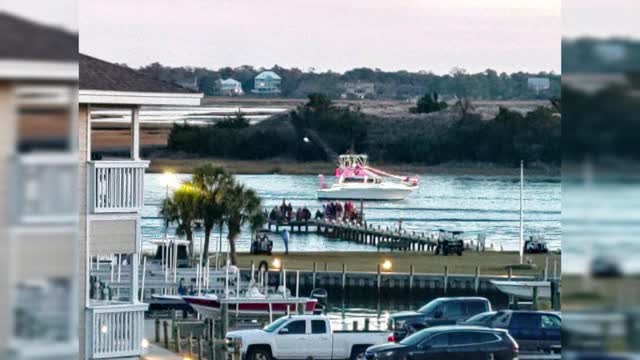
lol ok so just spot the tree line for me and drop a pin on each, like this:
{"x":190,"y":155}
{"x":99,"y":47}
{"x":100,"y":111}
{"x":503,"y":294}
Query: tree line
{"x":315,"y":130}
{"x":296,"y":83}
{"x":604,"y":56}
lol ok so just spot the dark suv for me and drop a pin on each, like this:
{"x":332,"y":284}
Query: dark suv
{"x":449,"y":343}
{"x":441,"y":311}
{"x":533,"y":330}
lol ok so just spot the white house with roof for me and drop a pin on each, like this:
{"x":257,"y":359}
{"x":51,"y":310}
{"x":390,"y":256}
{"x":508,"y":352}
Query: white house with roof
{"x":111,"y":197}
{"x":539,"y":84}
{"x":230,"y":87}
{"x":359,"y":89}
{"x":267,"y":82}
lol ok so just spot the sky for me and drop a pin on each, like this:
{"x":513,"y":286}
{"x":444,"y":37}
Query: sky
{"x":601,"y":18}
{"x":58,"y":13}
{"x":338,"y":35}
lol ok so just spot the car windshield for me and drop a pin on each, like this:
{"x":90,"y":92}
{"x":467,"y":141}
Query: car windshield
{"x":431,"y":307}
{"x":274,"y":325}
{"x":480,"y":318}
{"x":418,"y":337}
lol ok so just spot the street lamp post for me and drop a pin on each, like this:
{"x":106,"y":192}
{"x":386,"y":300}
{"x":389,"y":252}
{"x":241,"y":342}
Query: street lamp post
{"x":168,"y":179}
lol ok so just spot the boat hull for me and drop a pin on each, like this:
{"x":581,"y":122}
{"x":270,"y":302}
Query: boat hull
{"x":364,"y":193}
{"x":210,"y":307}
{"x":524,"y":289}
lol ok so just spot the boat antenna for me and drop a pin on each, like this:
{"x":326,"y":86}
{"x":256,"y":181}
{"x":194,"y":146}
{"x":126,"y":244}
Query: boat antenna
{"x":521,"y":220}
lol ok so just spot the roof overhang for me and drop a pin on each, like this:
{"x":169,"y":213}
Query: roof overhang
{"x":137,"y":98}
{"x":18,"y":69}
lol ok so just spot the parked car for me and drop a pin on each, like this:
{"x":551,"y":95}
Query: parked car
{"x":450,"y":242}
{"x":449,"y":343}
{"x":441,"y":311}
{"x":606,"y":267}
{"x":305,"y":336}
{"x":533,"y":330}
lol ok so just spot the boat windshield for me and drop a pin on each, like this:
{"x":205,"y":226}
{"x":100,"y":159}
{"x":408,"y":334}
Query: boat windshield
{"x":431,"y":307}
{"x":274,"y":325}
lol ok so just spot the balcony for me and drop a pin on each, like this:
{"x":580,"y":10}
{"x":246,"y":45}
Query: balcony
{"x":117,"y":186}
{"x":45,"y":188}
{"x":115,"y":330}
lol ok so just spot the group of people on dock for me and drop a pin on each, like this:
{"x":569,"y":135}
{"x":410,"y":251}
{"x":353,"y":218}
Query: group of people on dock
{"x":285,"y":212}
{"x":334,"y":210}
{"x":337,"y":211}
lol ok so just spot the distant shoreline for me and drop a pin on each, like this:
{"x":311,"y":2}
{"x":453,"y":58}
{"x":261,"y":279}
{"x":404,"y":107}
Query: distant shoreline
{"x":289,"y":167}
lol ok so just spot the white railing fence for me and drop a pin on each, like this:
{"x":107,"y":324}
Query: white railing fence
{"x":118,"y":186}
{"x":115,"y":330}
{"x":45,"y":187}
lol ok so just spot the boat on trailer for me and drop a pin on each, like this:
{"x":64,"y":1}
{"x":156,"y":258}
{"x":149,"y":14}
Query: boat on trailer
{"x":253,"y":300}
{"x":524,"y":289}
{"x":359,"y":181}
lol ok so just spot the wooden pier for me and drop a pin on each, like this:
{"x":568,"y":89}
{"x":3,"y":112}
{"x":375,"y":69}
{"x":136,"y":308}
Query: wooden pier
{"x":361,"y":233}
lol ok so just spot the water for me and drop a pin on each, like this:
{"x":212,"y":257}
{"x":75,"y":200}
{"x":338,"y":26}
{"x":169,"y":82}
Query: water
{"x":473,"y":204}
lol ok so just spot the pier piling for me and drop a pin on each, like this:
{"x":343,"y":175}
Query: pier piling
{"x":411,"y":272}
{"x":344,"y":276}
{"x":313,"y":279}
{"x":165,"y":333}
{"x":157,"y":337}
{"x":446,"y":278}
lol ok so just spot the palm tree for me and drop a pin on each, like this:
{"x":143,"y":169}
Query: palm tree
{"x":182,"y":208}
{"x":242,"y":206}
{"x":212,"y":183}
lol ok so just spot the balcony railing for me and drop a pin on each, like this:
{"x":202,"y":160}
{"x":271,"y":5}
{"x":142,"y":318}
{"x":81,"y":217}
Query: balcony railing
{"x":118,"y":186}
{"x":45,"y":188}
{"x":115,"y":330}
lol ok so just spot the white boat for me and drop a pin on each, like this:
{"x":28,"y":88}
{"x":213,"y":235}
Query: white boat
{"x":362,"y":191}
{"x":359,"y":181}
{"x":524,"y":289}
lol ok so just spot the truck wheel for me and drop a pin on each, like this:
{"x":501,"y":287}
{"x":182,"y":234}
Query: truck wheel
{"x":358,"y":350}
{"x":259,"y":354}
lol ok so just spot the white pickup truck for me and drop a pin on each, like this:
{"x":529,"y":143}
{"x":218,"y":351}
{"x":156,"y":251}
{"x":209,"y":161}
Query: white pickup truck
{"x":303,"y":337}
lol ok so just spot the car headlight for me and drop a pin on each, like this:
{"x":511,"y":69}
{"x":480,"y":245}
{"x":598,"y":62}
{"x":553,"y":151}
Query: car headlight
{"x":233,"y":343}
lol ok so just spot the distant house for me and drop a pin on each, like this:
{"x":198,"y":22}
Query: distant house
{"x":539,"y":84}
{"x":267,"y":82}
{"x":359,"y":89}
{"x":230,"y":87}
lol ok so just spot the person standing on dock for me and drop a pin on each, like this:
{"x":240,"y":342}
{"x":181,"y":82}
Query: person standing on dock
{"x":285,"y":238}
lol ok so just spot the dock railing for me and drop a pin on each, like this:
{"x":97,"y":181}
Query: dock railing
{"x":115,"y":329}
{"x":117,"y":186}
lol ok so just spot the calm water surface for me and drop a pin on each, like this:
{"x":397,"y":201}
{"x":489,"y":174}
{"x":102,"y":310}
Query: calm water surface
{"x":473,"y":204}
